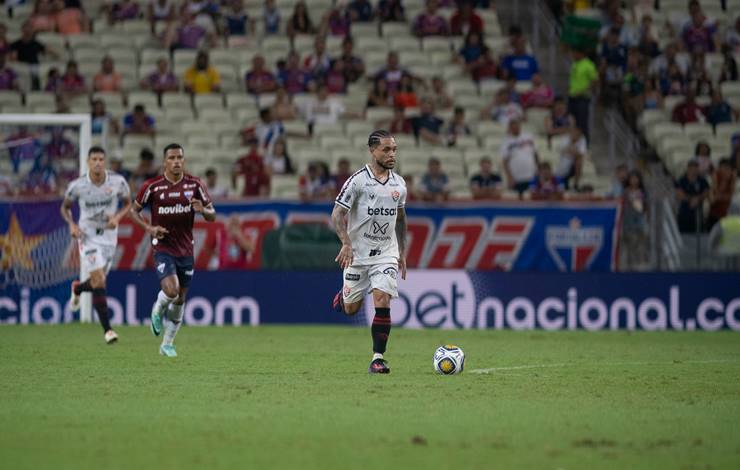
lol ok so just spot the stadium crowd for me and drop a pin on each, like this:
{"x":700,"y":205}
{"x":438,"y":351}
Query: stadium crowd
{"x":490,"y":126}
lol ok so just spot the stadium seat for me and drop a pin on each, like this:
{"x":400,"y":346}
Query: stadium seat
{"x":147,"y":98}
{"x":436,"y":43}
{"x":696,"y":131}
{"x":650,"y":116}
{"x":208,"y":101}
{"x":284,"y":187}
{"x":391,"y":30}
{"x":726,"y":130}
{"x":10,"y":98}
{"x":363,"y":45}
{"x":365,"y":30}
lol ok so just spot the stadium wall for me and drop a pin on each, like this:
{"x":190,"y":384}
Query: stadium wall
{"x":428,"y":299}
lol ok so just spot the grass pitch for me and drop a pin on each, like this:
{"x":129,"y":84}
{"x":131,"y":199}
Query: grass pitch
{"x":300,"y":397}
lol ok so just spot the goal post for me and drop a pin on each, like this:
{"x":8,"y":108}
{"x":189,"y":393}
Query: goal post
{"x":83,"y":123}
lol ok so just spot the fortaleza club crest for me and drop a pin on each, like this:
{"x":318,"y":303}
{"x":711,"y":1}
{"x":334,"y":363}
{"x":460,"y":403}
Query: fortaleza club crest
{"x":573,"y":248}
{"x":395,"y":195}
{"x":188,"y":194}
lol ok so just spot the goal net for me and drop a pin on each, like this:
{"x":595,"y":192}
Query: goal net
{"x":39,"y":155}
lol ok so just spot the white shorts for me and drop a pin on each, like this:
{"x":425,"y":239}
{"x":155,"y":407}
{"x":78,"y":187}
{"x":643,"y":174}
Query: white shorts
{"x":94,"y":256}
{"x":359,"y":280}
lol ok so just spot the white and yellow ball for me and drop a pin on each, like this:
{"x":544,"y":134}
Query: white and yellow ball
{"x":449,"y":360}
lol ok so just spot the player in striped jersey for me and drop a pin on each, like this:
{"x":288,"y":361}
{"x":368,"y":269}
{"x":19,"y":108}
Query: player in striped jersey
{"x":98,"y":193}
{"x":370,"y":219}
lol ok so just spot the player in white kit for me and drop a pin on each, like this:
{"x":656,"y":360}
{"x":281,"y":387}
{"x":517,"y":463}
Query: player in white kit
{"x":370,"y":220}
{"x":98,"y":193}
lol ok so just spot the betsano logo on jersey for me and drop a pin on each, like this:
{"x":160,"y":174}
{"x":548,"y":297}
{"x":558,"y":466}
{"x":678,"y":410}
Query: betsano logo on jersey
{"x":381,"y":211}
{"x":177,"y":209}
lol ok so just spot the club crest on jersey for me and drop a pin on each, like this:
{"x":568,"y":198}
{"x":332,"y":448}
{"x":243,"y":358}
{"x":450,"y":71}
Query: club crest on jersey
{"x":160,"y":267}
{"x":108,"y":190}
{"x":573,"y":248}
{"x":392,"y":272}
{"x":161,"y":196}
{"x":347,"y":290}
{"x":395,"y":195}
{"x":188,"y":194}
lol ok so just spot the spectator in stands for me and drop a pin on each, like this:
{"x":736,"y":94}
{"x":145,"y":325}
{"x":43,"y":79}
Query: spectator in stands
{"x":116,"y":166}
{"x":438,"y":94}
{"x":145,"y":170}
{"x":4,"y":41}
{"x":457,"y":126}
{"x":573,"y":152}
{"x":583,"y":80}
{"x":70,"y":19}
{"x":138,"y":122}
{"x":300,"y":21}
{"x":60,"y":105}
{"x":342,"y":175}
{"x":234,"y":246}
{"x":238,"y":26}
{"x":378,"y":95}
{"x":559,"y":121}
{"x":277,"y":161}
{"x":519,"y":64}
{"x":268,"y":131}
{"x":202,"y":78}
{"x":292,"y":77}
{"x":435,"y":184}
{"x":729,"y":65}
{"x":315,"y":184}
{"x":216,"y":191}
{"x":102,"y":119}
{"x":406,"y":96}
{"x":512,"y":94}
{"x":360,"y":11}
{"x":188,"y":35}
{"x":700,"y":32}
{"x":427,"y":126}
{"x":487,"y":67}
{"x":392,"y":72}
{"x":73,"y":83}
{"x":250,"y":166}
{"x":317,"y":62}
{"x":43,"y":19}
{"x":335,"y":80}
{"x":723,"y":189}
{"x":647,"y":38}
{"x":8,"y":77}
{"x":471,"y":53}
{"x":399,"y":123}
{"x":336,"y":21}
{"x":107,"y":79}
{"x":688,"y":110}
{"x":703,"y":157}
{"x":502,"y":110}
{"x":283,"y":108}
{"x":546,"y":185}
{"x":391,"y":11}
{"x":651,"y":98}
{"x":430,"y":22}
{"x":160,"y":11}
{"x":59,"y":147}
{"x":123,"y":10}
{"x":539,"y":96}
{"x":719,"y":110}
{"x":634,"y":220}
{"x":322,"y":109}
{"x":271,"y":18}
{"x":465,"y":20}
{"x":519,"y":157}
{"x":618,"y":182}
{"x":673,"y":82}
{"x":42,"y":179}
{"x":354,"y":67}
{"x":691,"y":190}
{"x":260,"y":80}
{"x":486,"y":184}
{"x":659,"y":65}
{"x":161,"y":80}
{"x":53,"y":81}
{"x":27,"y":50}
{"x":612,"y":66}
{"x":411,"y":192}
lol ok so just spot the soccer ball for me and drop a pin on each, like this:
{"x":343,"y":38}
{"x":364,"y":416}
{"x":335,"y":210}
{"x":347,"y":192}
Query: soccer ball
{"x":449,"y":360}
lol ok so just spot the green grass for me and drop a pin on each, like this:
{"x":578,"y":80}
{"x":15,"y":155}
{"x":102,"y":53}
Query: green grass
{"x":290,"y":397}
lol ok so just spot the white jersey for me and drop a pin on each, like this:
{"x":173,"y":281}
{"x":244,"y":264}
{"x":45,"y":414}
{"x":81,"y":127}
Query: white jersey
{"x":96,"y":204}
{"x":371,"y":223}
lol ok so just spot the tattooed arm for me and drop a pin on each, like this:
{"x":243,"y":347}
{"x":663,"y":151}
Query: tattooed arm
{"x":339,"y":219}
{"x":401,"y":236}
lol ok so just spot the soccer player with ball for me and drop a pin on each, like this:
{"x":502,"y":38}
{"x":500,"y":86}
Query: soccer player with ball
{"x":370,"y":219}
{"x":98,"y":193}
{"x":173,"y":198}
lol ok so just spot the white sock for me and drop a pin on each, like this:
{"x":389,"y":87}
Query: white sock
{"x":172,"y":322}
{"x":163,"y":302}
{"x":377,"y":356}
